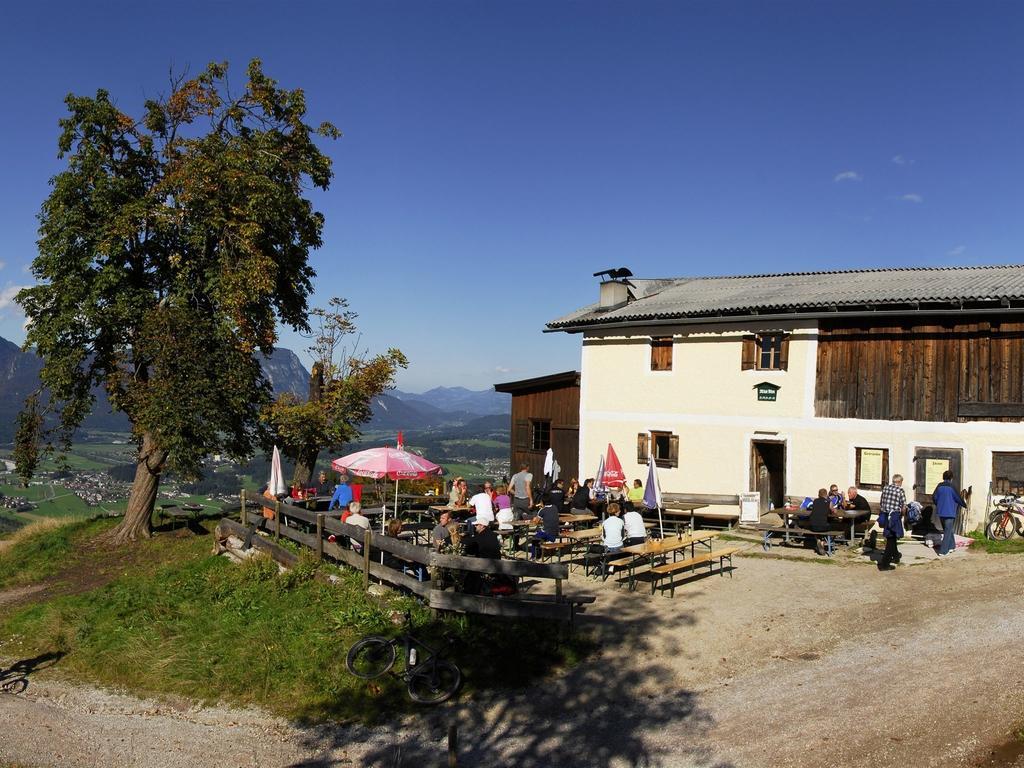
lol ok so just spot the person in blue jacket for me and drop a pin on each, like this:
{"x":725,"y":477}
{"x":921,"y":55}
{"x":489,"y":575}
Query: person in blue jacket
{"x":342,"y":495}
{"x":947,"y":502}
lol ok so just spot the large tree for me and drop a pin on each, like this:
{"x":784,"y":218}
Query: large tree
{"x":342,"y":386}
{"x":170,"y":248}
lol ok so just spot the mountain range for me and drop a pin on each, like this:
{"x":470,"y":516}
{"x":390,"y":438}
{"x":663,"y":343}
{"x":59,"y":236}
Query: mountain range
{"x":438,"y":408}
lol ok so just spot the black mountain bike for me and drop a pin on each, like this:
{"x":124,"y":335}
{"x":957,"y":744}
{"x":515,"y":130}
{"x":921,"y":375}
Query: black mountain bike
{"x":429,"y":679}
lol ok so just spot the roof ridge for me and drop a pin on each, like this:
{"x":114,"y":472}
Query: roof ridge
{"x":870,"y":270}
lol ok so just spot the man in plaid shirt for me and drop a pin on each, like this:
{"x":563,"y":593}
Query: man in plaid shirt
{"x":891,"y":504}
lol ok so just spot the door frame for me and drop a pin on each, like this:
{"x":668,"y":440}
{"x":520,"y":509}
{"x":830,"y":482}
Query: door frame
{"x":753,"y":465}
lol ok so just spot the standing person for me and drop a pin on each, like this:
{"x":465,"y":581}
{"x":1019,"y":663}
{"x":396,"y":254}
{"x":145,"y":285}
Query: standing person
{"x":613,"y":529}
{"x":547,"y":518}
{"x":522,"y":491}
{"x":947,"y":503}
{"x":891,"y":506}
{"x":482,"y":506}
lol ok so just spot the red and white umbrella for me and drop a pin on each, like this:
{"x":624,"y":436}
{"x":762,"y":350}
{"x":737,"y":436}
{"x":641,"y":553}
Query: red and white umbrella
{"x":614,"y":477}
{"x":393,"y":463}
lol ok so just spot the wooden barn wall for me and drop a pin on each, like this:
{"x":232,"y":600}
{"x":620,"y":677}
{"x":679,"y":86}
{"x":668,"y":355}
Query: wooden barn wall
{"x":920,"y":372}
{"x":560,"y":405}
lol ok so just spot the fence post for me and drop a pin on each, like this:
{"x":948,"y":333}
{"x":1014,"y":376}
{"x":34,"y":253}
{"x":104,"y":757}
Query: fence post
{"x":558,"y":590}
{"x":366,"y":558}
{"x":453,"y":746}
{"x":277,"y":520}
{"x":244,"y":517}
{"x":319,"y":535}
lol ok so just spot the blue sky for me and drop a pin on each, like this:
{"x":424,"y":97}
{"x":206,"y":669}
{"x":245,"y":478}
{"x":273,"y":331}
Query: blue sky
{"x":496,"y":154}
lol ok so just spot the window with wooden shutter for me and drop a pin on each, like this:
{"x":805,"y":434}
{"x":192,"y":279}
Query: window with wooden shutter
{"x":661,"y":353}
{"x":784,"y":353}
{"x":642,"y":442}
{"x":665,"y":448}
{"x":749,"y":355}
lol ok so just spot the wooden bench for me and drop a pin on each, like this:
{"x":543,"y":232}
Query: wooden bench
{"x":768,"y":530}
{"x":668,"y":570}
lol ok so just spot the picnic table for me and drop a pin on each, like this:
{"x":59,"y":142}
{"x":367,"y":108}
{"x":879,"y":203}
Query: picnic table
{"x":574,"y":519}
{"x":186,"y":512}
{"x":687,"y":510}
{"x":458,"y":511}
{"x":849,"y":515}
{"x":655,"y":548}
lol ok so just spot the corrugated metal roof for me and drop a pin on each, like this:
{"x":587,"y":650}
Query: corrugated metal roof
{"x":805,"y":292}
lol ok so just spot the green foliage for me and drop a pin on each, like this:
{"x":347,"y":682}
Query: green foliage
{"x":170,"y":247}
{"x":1014,"y":546}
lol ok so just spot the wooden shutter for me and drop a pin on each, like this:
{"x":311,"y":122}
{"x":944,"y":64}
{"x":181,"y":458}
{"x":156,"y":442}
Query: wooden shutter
{"x":748,"y":359}
{"x":673,"y":450}
{"x":522,"y":436}
{"x":661,"y":353}
{"x":784,"y":353}
{"x":642,"y":447}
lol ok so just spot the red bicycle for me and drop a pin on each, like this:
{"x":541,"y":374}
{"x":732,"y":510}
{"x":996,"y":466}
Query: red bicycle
{"x":1006,"y":519}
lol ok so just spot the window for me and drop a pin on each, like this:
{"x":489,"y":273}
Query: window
{"x":663,"y":445}
{"x":766,"y":352}
{"x":661,"y":353}
{"x":872,"y":471}
{"x":1007,"y":472}
{"x":540,"y":435}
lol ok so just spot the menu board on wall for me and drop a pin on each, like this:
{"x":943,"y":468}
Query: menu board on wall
{"x":870,"y":466}
{"x":933,"y":469}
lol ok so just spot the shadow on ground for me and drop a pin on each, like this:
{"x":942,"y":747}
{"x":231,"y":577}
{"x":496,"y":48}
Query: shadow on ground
{"x":14,"y":679}
{"x":619,"y":707}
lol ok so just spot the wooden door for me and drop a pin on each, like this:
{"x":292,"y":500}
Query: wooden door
{"x":929,"y":464}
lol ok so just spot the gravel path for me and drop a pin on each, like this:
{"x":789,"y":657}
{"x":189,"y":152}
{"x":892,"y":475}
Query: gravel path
{"x":787,"y":664}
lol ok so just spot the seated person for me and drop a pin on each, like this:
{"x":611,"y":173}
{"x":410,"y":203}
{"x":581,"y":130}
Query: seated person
{"x":342,"y":496}
{"x":855,"y":501}
{"x":580,"y":503}
{"x":820,"y":510}
{"x":558,"y":495}
{"x":457,"y":495}
{"x":636,"y":531}
{"x":613,"y":529}
{"x":355,"y":516}
{"x":323,"y":486}
{"x":441,"y":537}
{"x":503,"y":503}
{"x":636,"y":495}
{"x":835,"y":497}
{"x":484,"y":542}
{"x":393,"y":531}
{"x":547,"y":518}
{"x":483,"y":506}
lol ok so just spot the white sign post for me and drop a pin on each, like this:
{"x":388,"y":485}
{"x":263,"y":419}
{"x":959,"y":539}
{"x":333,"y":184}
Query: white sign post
{"x":750,"y":508}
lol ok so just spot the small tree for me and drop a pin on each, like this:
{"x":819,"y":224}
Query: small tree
{"x":170,"y":247}
{"x":342,"y":386}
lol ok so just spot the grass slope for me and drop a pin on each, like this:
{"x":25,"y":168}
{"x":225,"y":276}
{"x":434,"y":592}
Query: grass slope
{"x":166,"y":617}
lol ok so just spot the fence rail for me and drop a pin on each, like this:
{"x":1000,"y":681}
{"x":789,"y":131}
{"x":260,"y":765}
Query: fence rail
{"x":557,"y":606}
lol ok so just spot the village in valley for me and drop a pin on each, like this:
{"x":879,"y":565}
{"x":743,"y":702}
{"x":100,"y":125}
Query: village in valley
{"x":538,"y":384}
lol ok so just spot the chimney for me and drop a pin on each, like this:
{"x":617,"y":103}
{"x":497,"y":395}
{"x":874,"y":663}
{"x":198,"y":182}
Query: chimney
{"x":614,"y":294}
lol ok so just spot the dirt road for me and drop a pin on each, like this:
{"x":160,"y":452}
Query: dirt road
{"x":787,"y":664}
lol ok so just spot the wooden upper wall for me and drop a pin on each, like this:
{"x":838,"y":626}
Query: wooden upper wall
{"x":923,"y":372}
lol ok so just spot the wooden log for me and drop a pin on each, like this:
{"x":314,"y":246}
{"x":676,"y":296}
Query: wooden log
{"x":244,"y":516}
{"x":320,"y":536}
{"x":500,"y":606}
{"x":277,"y":519}
{"x":229,"y":527}
{"x":366,"y":559}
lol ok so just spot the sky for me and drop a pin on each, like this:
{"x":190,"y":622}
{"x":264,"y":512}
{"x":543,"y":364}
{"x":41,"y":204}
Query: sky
{"x":496,"y":154}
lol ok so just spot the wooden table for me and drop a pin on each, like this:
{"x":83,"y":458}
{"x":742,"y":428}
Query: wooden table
{"x":573,"y":519}
{"x":584,"y":534}
{"x":677,"y":510}
{"x":661,"y":547}
{"x":464,"y":510}
{"x":850,"y":515}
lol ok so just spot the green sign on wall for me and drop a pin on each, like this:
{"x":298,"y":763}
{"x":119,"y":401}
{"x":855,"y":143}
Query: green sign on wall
{"x":767,"y":391}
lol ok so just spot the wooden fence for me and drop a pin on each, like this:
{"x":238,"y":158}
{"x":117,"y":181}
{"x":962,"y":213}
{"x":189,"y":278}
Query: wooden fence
{"x":557,"y":606}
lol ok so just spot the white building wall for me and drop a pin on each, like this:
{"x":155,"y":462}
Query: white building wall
{"x":712,"y":405}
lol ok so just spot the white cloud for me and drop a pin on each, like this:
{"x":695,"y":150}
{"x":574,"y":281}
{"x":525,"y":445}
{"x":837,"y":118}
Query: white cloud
{"x":912,"y":197}
{"x":902,"y":160}
{"x":847,"y":176}
{"x":502,"y":369}
{"x":957,"y":251}
{"x":7,"y":294}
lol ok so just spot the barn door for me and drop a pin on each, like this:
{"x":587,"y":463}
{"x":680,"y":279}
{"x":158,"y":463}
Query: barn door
{"x":929,"y":464}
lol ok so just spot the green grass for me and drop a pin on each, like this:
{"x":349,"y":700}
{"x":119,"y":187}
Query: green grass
{"x":58,"y":501}
{"x":465,"y":470}
{"x":175,"y":620}
{"x":41,"y":552}
{"x":1014,"y":546}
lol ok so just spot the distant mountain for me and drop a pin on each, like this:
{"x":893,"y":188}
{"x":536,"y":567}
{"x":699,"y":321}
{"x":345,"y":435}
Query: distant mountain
{"x":286,"y":373}
{"x":482,"y":403}
{"x":389,"y":412}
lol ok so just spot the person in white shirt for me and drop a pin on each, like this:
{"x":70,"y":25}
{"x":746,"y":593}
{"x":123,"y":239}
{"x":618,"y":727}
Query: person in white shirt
{"x":356,"y":517}
{"x":636,"y":533}
{"x":613,"y":529}
{"x":483,"y":506}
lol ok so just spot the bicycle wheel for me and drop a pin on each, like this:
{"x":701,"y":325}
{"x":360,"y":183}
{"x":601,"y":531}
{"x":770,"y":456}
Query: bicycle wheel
{"x":1001,"y":526}
{"x":371,"y":657}
{"x":434,"y":683}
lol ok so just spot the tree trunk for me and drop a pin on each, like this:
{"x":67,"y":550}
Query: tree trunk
{"x":305,"y":462}
{"x":139,"y":513}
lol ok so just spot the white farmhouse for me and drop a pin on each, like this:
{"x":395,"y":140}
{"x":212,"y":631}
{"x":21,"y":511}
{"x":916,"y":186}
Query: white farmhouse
{"x":787,"y":383}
